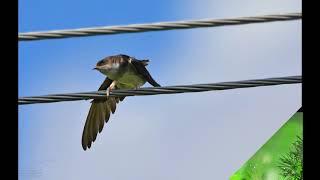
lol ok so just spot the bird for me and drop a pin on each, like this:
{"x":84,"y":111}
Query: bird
{"x":122,"y":72}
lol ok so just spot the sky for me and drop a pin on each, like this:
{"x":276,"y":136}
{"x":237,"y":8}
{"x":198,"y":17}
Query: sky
{"x":206,"y":135}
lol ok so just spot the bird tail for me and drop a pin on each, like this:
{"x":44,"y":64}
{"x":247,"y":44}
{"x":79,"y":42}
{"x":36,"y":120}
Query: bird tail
{"x":145,"y":62}
{"x":99,"y":114}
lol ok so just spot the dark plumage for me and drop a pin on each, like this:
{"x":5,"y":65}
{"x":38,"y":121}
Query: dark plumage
{"x":123,"y":72}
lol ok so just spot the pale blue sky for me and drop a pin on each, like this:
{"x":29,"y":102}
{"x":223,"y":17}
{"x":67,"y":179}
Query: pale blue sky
{"x":184,"y":136}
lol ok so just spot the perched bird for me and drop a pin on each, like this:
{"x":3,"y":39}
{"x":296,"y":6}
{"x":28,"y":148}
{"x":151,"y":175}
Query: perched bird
{"x":123,"y":72}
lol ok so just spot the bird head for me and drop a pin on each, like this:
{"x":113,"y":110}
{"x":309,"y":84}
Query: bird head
{"x":102,"y":65}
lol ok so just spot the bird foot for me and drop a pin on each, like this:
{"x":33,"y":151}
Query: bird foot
{"x":110,"y":88}
{"x":108,"y":92}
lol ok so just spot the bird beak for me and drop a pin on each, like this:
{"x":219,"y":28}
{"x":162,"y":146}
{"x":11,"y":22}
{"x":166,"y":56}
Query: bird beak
{"x":95,"y":68}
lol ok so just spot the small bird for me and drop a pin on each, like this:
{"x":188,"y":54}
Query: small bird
{"x":123,"y":72}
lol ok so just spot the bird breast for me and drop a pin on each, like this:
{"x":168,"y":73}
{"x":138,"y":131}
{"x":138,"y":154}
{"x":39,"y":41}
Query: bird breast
{"x":131,"y":78}
{"x":113,"y":71}
{"x":126,"y":76}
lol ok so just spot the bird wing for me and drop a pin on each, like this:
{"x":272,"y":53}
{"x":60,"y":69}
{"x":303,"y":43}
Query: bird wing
{"x":99,"y":113}
{"x":141,"y":69}
{"x":106,"y":83}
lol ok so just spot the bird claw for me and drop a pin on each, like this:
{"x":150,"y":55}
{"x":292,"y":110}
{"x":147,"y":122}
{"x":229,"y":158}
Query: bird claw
{"x":108,"y":92}
{"x":110,"y":88}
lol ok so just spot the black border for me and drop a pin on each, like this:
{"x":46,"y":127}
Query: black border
{"x":9,"y":88}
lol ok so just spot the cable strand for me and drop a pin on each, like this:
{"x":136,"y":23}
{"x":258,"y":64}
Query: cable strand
{"x":160,"y":26}
{"x":160,"y":90}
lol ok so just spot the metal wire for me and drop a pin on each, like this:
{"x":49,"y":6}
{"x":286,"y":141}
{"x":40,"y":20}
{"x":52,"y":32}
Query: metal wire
{"x":134,"y":28}
{"x":161,"y":90}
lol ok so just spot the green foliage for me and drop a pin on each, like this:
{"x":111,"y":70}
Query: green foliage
{"x":290,"y":164}
{"x":264,"y":164}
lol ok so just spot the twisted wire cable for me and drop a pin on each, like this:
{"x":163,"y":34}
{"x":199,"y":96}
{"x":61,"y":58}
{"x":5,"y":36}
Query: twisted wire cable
{"x":160,"y":26}
{"x":161,"y":90}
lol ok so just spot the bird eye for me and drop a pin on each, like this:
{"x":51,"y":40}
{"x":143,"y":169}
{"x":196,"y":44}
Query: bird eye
{"x":100,"y":63}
